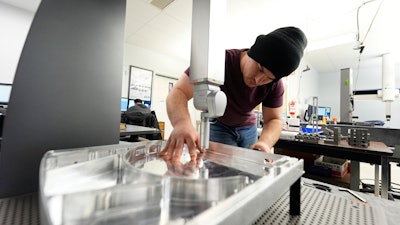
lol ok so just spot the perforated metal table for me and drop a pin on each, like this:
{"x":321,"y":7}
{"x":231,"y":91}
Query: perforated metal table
{"x":317,"y":207}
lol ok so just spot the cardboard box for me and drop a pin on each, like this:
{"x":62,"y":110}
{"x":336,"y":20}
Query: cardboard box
{"x":339,"y":167}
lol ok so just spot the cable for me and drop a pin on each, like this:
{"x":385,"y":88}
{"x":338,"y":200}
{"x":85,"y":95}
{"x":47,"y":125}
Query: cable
{"x":358,"y":15}
{"x":371,"y":186}
{"x":369,"y":28}
{"x":361,"y":44}
{"x":358,"y":71}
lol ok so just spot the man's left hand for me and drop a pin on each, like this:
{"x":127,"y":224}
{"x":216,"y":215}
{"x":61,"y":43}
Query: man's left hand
{"x":262,"y":147}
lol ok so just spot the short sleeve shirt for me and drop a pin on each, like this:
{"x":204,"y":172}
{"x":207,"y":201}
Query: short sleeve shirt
{"x":241,"y":99}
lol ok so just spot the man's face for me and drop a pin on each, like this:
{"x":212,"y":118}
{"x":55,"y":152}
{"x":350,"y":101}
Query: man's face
{"x":256,"y":75}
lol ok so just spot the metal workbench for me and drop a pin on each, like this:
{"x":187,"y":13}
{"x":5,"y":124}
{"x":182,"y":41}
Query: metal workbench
{"x":377,"y":153}
{"x":317,"y":207}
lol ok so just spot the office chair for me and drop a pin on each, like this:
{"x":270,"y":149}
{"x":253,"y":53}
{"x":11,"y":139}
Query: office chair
{"x":142,"y":119}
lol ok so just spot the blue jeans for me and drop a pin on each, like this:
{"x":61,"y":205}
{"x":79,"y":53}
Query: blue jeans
{"x":237,"y":136}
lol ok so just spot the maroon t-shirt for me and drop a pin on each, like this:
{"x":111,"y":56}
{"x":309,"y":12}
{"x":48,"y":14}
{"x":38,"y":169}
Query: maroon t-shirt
{"x":242,"y":99}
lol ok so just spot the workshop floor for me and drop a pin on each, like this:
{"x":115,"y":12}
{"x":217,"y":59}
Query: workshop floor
{"x":367,"y":172}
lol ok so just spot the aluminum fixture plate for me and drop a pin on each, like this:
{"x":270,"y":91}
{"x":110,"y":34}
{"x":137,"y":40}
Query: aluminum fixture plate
{"x":23,"y":210}
{"x":129,"y":184}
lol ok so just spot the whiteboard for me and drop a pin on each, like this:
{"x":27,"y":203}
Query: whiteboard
{"x":140,"y":81}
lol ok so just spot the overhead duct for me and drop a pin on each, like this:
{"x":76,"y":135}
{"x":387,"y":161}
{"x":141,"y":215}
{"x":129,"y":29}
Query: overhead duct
{"x":161,"y":4}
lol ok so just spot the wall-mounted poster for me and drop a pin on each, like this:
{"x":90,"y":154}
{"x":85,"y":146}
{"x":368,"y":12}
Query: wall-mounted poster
{"x":140,"y":81}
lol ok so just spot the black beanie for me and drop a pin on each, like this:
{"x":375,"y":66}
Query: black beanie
{"x":279,"y":51}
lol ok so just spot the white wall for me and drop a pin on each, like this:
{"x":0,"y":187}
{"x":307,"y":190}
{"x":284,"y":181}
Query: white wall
{"x":158,"y":63}
{"x":375,"y":109}
{"x":162,"y":65}
{"x":329,"y":92}
{"x":301,"y":87}
{"x":14,"y":26}
{"x":370,"y":78}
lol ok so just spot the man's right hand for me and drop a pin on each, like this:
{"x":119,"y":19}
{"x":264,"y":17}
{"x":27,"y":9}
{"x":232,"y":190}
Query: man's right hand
{"x":183,"y":133}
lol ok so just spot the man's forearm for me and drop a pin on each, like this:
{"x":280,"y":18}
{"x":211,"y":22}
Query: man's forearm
{"x":177,"y":108}
{"x":271,"y":132}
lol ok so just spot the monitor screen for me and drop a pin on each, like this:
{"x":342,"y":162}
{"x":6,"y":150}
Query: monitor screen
{"x":124,"y":104}
{"x":324,"y":111}
{"x":131,"y":103}
{"x":147,"y":103}
{"x":5,"y":91}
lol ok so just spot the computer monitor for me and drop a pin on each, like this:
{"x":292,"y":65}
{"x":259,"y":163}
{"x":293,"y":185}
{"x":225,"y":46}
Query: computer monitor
{"x":324,"y":111}
{"x":5,"y":91}
{"x":124,"y":104}
{"x":147,"y":103}
{"x":132,"y":103}
{"x":321,"y":111}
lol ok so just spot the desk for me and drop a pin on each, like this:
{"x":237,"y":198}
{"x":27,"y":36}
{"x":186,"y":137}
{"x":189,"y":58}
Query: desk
{"x":377,"y":153}
{"x":138,"y":130}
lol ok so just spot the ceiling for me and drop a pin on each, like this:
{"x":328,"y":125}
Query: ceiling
{"x":330,"y":25}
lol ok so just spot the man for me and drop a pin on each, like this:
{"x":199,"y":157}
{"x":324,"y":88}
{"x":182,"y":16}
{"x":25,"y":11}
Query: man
{"x":140,"y":114}
{"x":252,"y":76}
{"x":138,"y":110}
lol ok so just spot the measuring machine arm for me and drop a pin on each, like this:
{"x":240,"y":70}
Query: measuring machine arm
{"x":207,"y":62}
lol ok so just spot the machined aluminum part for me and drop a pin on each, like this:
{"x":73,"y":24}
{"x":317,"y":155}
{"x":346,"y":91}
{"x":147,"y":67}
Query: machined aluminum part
{"x":129,"y":183}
